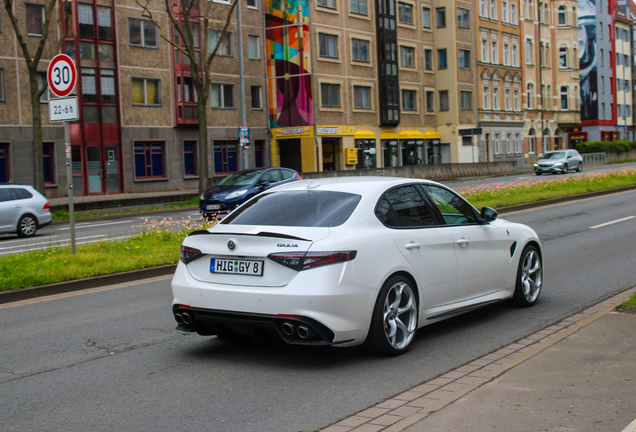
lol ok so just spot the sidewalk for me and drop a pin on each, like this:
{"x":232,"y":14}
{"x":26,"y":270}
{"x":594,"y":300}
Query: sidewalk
{"x":577,"y":375}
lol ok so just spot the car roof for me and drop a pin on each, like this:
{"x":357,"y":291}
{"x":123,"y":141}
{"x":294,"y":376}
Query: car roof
{"x":357,"y":184}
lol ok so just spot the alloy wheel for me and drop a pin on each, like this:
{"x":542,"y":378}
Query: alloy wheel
{"x":531,"y":276}
{"x":400,"y":315}
{"x":27,"y":226}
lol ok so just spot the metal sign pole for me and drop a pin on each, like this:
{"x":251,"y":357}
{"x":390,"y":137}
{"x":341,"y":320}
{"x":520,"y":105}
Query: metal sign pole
{"x":69,"y":175}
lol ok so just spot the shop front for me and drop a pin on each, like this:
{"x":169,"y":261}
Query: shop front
{"x":365,"y":144}
{"x":390,"y":148}
{"x":294,"y":148}
{"x":333,"y":139}
{"x":436,"y":152}
{"x":411,"y":147}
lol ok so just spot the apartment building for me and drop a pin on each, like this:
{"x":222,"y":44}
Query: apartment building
{"x":624,"y":21}
{"x":138,"y":127}
{"x":500,"y":80}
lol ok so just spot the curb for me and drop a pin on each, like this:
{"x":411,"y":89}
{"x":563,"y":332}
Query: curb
{"x":125,"y":215}
{"x":406,"y":409}
{"x":86,"y":283}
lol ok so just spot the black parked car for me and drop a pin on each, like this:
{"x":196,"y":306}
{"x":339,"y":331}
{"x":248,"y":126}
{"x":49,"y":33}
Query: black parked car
{"x":237,"y":188}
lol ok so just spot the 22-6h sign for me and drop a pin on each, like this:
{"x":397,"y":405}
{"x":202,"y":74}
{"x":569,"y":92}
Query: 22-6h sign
{"x":61,"y":75}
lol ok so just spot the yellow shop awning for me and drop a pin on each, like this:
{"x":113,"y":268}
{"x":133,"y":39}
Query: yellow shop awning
{"x":363,"y":134}
{"x":411,"y":134}
{"x":431,"y":134}
{"x":388,"y":134}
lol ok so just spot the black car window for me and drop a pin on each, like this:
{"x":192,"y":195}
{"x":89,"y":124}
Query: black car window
{"x":406,"y":207}
{"x":243,"y":178}
{"x":22,"y":193}
{"x":272,"y":176}
{"x":454,"y":209}
{"x":296,"y":208}
{"x":287,"y":174}
{"x":5,"y":195}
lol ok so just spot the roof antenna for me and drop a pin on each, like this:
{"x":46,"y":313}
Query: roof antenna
{"x":313,"y":184}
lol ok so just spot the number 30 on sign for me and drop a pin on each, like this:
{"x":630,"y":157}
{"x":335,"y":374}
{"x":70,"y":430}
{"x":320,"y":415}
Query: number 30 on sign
{"x":61,"y":75}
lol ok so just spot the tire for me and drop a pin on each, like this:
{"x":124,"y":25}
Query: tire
{"x":537,"y":173}
{"x":27,"y":226}
{"x":395,"y":318}
{"x":529,"y":277}
{"x":565,"y":169}
{"x":580,"y":168}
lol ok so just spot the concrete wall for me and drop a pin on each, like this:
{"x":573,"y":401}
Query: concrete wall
{"x":629,"y":156}
{"x":432,"y":172}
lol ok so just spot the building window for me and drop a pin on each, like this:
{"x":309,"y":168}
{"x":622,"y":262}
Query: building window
{"x":407,"y":57}
{"x":563,"y":57}
{"x":495,"y":98}
{"x":48,"y":163}
{"x":149,"y":160}
{"x":441,"y":17}
{"x":509,"y":143}
{"x":252,"y":4}
{"x":4,"y":163}
{"x":466,"y":99}
{"x":426,"y":17}
{"x":254,"y":47}
{"x":515,"y":55}
{"x":430,"y":101}
{"x":441,"y":58}
{"x":146,"y":91}
{"x":330,"y":4}
{"x":225,"y":157}
{"x":497,"y":148}
{"x":506,"y":54}
{"x":493,"y":9}
{"x":409,"y":100}
{"x":35,"y":19}
{"x":405,"y":13}
{"x":494,"y":52}
{"x":330,"y":95}
{"x":486,"y":98}
{"x":360,"y":50}
{"x":328,"y":45}
{"x":513,"y":14}
{"x":142,"y":33}
{"x":483,"y":8}
{"x":517,"y":107}
{"x":464,"y":59}
{"x":428,"y":59}
{"x":2,"y":93}
{"x":443,"y":100}
{"x":463,"y":18}
{"x":484,"y":50}
{"x":528,"y":52}
{"x":43,"y":84}
{"x":222,"y":95}
{"x":358,"y":7}
{"x":225,"y":46}
{"x":361,"y":97}
{"x":563,"y":18}
{"x":257,"y":97}
{"x":565,"y":104}
{"x":517,"y":143}
{"x":504,"y":12}
{"x":507,"y":101}
{"x":259,"y":160}
{"x":531,"y":143}
{"x":189,"y":158}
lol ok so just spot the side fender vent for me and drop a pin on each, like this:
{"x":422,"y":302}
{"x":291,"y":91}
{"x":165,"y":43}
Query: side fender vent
{"x":513,"y":248}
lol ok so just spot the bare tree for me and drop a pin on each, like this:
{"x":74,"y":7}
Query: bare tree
{"x":32,"y":62}
{"x":184,"y":40}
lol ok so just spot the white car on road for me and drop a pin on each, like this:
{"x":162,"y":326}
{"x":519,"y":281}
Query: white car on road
{"x":346,"y":261}
{"x":23,"y":210}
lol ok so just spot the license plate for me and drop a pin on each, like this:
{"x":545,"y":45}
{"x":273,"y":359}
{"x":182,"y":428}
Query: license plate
{"x":213,"y":206}
{"x":241,"y":267}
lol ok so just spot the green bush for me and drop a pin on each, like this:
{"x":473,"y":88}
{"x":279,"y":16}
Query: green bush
{"x":615,"y":147}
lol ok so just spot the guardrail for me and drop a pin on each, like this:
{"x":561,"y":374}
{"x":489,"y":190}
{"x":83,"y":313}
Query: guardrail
{"x":526,"y":163}
{"x":594,"y":159}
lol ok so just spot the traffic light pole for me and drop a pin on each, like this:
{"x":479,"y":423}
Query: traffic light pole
{"x":69,"y":175}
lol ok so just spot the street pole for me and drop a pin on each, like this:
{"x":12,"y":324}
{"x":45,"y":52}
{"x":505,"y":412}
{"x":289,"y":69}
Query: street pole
{"x":241,"y":80}
{"x":69,"y":175}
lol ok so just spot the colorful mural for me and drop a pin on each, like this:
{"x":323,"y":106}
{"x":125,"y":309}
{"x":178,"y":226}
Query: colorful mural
{"x":289,"y":63}
{"x":588,"y":59}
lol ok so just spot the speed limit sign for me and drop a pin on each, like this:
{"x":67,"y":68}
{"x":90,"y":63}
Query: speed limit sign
{"x":61,"y":75}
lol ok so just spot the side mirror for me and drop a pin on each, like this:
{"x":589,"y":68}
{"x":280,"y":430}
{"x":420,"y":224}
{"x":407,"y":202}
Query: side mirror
{"x":264,"y":185}
{"x":488,"y":214}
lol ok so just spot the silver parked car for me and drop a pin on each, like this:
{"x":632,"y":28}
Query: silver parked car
{"x":23,"y":210}
{"x":559,"y":162}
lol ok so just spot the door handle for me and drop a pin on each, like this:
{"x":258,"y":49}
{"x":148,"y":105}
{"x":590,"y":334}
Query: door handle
{"x":412,"y":245}
{"x":463,"y":242}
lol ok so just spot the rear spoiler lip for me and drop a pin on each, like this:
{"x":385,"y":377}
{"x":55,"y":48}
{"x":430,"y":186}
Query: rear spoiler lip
{"x":260,"y":234}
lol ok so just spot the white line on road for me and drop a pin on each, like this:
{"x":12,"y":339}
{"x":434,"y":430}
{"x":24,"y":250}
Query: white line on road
{"x":52,"y":242}
{"x":612,"y":222}
{"x":89,"y":225}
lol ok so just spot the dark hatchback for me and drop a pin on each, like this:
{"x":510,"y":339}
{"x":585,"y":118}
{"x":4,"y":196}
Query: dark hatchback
{"x":237,"y":188}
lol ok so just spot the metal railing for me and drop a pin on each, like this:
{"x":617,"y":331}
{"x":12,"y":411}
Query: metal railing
{"x":594,"y":159}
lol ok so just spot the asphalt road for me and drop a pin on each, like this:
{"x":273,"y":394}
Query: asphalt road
{"x":119,"y":228}
{"x":111,"y":359}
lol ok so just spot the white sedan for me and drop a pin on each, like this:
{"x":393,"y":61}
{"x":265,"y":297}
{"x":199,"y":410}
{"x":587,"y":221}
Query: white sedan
{"x":346,"y":261}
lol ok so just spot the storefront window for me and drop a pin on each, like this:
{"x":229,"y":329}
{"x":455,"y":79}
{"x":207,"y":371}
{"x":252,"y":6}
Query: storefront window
{"x":412,"y":152}
{"x":366,"y":153}
{"x":390,"y":153}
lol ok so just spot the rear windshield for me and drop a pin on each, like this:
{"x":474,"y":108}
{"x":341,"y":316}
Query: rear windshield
{"x":296,"y":208}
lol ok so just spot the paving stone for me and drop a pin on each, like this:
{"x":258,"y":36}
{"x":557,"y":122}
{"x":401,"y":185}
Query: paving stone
{"x":480,"y":362}
{"x":454,"y":375}
{"x":439,"y":394}
{"x":391,"y":404}
{"x":386,"y":420}
{"x":336,"y":429}
{"x":368,"y":428}
{"x":440,"y":381}
{"x":353,"y":421}
{"x":425,"y":388}
{"x":373,"y":412}
{"x":452,"y":387}
{"x":408,"y":396}
{"x":404,"y":411}
{"x":422,"y":402}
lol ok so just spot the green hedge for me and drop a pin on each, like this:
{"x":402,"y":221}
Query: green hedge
{"x":615,"y":147}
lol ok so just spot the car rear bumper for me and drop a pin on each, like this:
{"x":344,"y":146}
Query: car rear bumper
{"x":335,"y":310}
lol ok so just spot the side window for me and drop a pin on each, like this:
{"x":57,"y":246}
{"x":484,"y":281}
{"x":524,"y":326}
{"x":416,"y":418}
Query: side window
{"x":5,"y":195}
{"x":404,"y":206}
{"x":454,"y":209}
{"x":272,"y":176}
{"x":287,"y":174}
{"x":22,"y":193}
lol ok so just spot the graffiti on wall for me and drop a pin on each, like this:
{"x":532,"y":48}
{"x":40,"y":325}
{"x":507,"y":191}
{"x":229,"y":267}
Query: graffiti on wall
{"x":588,"y":59}
{"x":289,"y":63}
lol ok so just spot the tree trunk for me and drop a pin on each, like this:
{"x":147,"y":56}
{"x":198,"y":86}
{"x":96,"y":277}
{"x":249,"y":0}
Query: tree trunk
{"x":36,"y":111}
{"x":204,"y":181}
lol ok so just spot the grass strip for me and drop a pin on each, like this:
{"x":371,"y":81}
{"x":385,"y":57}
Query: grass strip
{"x":628,"y":306}
{"x":62,"y":215}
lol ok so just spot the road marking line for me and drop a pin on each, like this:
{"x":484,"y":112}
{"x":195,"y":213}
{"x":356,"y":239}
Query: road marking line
{"x":65,"y":241}
{"x":631,"y":427}
{"x":52,"y":241}
{"x":612,"y":222}
{"x":89,"y":225}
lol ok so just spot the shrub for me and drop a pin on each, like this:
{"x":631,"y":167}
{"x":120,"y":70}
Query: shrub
{"x":615,"y":147}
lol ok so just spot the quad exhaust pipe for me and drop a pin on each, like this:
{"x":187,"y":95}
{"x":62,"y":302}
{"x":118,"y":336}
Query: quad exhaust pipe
{"x":185,"y":319}
{"x":288,"y":328}
{"x":301,"y":331}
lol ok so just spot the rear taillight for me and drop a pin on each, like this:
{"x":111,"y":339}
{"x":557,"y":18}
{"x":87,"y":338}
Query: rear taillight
{"x":189,"y":254}
{"x":300,"y":261}
{"x":299,"y":177}
{"x":46,"y":206}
